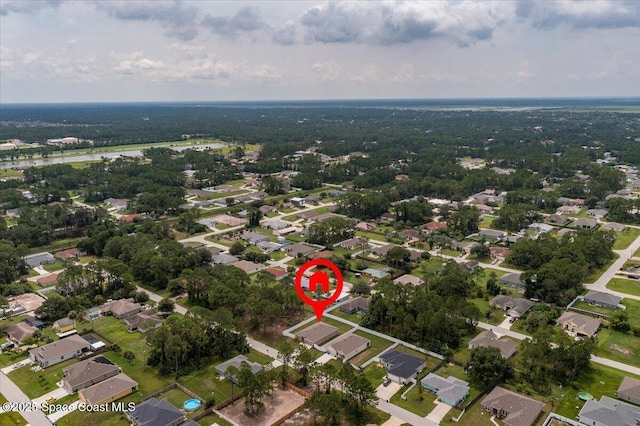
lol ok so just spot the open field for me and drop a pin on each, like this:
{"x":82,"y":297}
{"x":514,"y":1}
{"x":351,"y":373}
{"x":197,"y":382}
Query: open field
{"x":625,"y":286}
{"x":625,"y":238}
{"x":618,"y":346}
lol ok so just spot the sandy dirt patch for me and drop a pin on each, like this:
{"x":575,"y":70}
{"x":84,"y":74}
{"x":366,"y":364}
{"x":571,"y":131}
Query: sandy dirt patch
{"x":280,"y":403}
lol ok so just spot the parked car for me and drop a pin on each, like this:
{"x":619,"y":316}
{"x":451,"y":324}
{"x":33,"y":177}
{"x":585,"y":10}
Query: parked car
{"x":386,"y":382}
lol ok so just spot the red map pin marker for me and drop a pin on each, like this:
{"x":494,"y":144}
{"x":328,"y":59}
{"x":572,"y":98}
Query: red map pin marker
{"x":320,"y":279}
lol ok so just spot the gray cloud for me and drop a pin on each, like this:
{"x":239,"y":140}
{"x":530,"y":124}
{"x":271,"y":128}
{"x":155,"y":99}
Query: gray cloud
{"x":580,"y":14}
{"x":179,"y":21}
{"x":246,"y":20}
{"x":21,"y":6}
{"x":388,"y":23}
{"x":286,"y":35}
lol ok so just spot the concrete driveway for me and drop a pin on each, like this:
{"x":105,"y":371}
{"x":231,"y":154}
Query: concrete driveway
{"x":437,"y":414}
{"x":393,"y":421}
{"x":386,"y":392}
{"x":57,"y":394}
{"x":324,"y":358}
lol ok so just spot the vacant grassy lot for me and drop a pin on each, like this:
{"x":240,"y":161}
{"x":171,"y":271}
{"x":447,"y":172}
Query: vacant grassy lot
{"x":625,"y":238}
{"x":596,"y":274}
{"x":378,"y":345}
{"x":618,"y":346}
{"x":625,"y":286}
{"x":419,"y":401}
{"x":375,"y":374}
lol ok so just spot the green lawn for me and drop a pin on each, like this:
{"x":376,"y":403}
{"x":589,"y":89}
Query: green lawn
{"x":148,"y":378}
{"x":375,"y":374}
{"x":601,"y":380}
{"x":55,"y":266}
{"x":625,"y":238}
{"x":419,"y":401}
{"x":205,"y":381}
{"x":474,"y":416}
{"x":633,"y":310}
{"x":486,"y":221}
{"x":349,"y":317}
{"x":618,"y":346}
{"x":341,"y":326}
{"x":211,"y":419}
{"x":11,"y":418}
{"x":593,"y":308}
{"x":378,"y":345}
{"x":35,"y":384}
{"x":625,"y":286}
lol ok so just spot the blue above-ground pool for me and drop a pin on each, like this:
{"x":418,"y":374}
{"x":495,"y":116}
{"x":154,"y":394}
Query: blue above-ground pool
{"x":191,"y":404}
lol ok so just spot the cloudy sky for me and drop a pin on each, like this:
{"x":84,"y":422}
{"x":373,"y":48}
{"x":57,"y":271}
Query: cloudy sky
{"x":74,"y":51}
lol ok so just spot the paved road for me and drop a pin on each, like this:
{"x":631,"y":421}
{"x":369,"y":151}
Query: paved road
{"x":14,"y":394}
{"x":601,"y":283}
{"x":156,"y":298}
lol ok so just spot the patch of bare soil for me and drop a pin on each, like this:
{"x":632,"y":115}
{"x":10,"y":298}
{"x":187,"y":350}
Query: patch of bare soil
{"x":620,"y":349}
{"x":282,"y":402}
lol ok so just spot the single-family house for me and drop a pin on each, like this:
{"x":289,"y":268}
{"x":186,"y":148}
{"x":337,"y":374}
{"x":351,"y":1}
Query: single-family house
{"x":433,"y":226}
{"x":143,"y":321}
{"x":557,"y":219}
{"x":58,"y":351}
{"x":275,"y":224}
{"x":492,"y":234}
{"x":64,"y":325}
{"x":109,"y":390}
{"x":20,"y":332}
{"x":512,"y":279}
{"x":499,"y":252}
{"x":298,"y":201}
{"x":353,"y":243}
{"x":578,"y":325}
{"x":541,"y":228}
{"x":382,"y":251}
{"x":254,"y":237}
{"x":116,"y":203}
{"x":121,"y":308}
{"x":449,"y":390}
{"x":613,"y":226}
{"x":608,"y":412}
{"x":375,"y":273}
{"x":629,"y":390}
{"x":312,"y":198}
{"x":356,"y":305}
{"x":410,"y":234}
{"x":87,"y":373}
{"x":278,"y":273}
{"x":602,"y":299}
{"x":408,"y":279}
{"x":564,"y":231}
{"x":13,"y":213}
{"x":70,"y":254}
{"x":365,"y":226}
{"x":237,"y":362}
{"x":317,"y":334}
{"x":597,"y":213}
{"x":401,"y":367}
{"x":488,"y":338}
{"x":585,"y":223}
{"x":513,"y":307}
{"x":570,"y":210}
{"x":248,"y":267}
{"x":152,"y":412}
{"x":299,"y":249}
{"x":514,"y":409}
{"x":223,"y":259}
{"x":266,"y":209}
{"x":347,"y":346}
{"x":47,"y":280}
{"x":39,"y":259}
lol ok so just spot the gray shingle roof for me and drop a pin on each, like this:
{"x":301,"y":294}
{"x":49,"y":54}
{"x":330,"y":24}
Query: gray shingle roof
{"x":610,"y":412}
{"x":401,"y":364}
{"x":155,"y":413}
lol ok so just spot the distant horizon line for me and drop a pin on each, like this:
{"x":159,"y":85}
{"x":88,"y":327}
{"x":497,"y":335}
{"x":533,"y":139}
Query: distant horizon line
{"x":256,"y":101}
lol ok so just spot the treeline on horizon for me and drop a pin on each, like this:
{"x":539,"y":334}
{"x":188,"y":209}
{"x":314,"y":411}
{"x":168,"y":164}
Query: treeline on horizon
{"x":391,"y":132}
